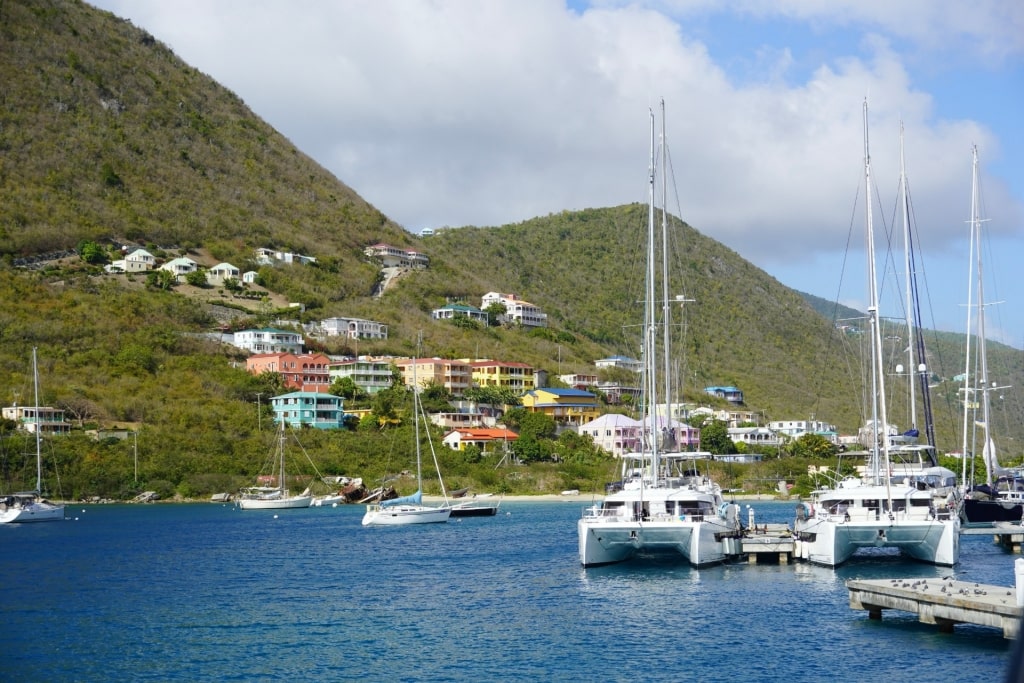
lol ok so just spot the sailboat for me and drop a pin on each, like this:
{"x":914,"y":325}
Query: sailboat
{"x":1001,"y":497}
{"x":30,"y":506}
{"x":274,"y":497}
{"x":876,"y":510}
{"x":409,"y":509}
{"x":665,"y":504}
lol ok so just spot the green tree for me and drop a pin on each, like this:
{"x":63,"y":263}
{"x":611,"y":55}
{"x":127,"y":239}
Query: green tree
{"x":495,"y":312}
{"x":811,"y":446}
{"x":91,"y":252}
{"x":161,"y":279}
{"x":714,"y":438}
{"x":197,"y":278}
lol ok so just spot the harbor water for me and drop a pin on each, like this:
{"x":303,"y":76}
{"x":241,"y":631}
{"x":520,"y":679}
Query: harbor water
{"x":209,"y":592}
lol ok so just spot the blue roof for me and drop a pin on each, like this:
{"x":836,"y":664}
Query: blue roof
{"x":565,"y":392}
{"x":720,"y":389}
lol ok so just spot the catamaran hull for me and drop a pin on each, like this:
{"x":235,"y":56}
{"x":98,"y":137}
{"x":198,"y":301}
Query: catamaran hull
{"x":401,"y":515}
{"x":607,"y":542}
{"x":35,"y":512}
{"x":276,"y":504}
{"x":831,"y":543}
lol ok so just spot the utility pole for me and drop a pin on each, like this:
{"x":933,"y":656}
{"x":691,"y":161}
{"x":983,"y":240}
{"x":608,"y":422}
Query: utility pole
{"x":136,"y":449}
{"x":259,"y":412}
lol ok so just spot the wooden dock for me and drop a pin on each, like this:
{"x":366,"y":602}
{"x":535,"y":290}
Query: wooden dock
{"x":1007,"y":534}
{"x":943,"y":602}
{"x":768,"y":541}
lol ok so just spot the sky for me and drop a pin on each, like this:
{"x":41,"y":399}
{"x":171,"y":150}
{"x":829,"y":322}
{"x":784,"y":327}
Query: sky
{"x":448,"y":113}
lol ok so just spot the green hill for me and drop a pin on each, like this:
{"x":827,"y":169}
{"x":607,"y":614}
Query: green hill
{"x":108,"y":138}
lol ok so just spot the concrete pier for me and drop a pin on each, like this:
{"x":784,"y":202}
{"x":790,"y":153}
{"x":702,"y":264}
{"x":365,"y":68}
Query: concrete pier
{"x":943,"y":602}
{"x":1007,"y":534}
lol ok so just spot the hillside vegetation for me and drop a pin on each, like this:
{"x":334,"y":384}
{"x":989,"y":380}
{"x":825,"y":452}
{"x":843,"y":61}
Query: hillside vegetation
{"x":107,"y":137}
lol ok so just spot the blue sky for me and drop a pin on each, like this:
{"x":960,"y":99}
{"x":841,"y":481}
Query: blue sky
{"x":453,"y":113}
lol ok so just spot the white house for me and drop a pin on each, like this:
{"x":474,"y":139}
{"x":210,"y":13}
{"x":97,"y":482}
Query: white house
{"x":221,"y":272}
{"x":452,"y":311}
{"x":180,"y":267}
{"x":617,"y":434}
{"x":516,"y":310}
{"x":619,"y":362}
{"x":138,"y":261}
{"x":269,"y":340}
{"x":353,"y":328}
{"x":249,"y":277}
{"x":757,"y":438}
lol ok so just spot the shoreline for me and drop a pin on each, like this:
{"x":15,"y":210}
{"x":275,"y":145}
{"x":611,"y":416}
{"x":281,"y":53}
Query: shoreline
{"x":517,"y":498}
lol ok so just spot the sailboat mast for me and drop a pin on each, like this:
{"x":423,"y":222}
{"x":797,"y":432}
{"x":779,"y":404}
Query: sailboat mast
{"x":909,"y":276}
{"x":878,"y":407}
{"x":650,"y":332}
{"x":665,"y":310}
{"x":416,"y":415}
{"x":39,"y":447}
{"x":988,"y":449}
{"x":968,"y":391}
{"x":280,"y":459}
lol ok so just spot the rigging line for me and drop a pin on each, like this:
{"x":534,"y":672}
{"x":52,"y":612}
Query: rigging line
{"x":835,"y":308}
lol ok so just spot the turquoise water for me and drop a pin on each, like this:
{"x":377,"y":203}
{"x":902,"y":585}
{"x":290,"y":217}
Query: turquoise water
{"x":209,"y":592}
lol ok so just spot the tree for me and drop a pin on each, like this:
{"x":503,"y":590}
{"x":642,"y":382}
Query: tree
{"x":495,"y":313}
{"x":714,"y":437}
{"x":91,"y":252}
{"x":161,"y":279}
{"x":197,"y":278}
{"x":812,"y":446}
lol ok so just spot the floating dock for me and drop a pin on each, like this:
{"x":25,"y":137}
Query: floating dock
{"x":768,"y":541}
{"x":943,"y":602}
{"x":1007,"y":534}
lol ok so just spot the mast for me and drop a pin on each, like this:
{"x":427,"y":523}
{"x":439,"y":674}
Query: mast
{"x":280,"y":454}
{"x":970,"y":291}
{"x":988,"y":450}
{"x":878,"y":409}
{"x":416,"y":415}
{"x":916,"y":365}
{"x":908,"y":267}
{"x":665,"y":310}
{"x":39,"y":447}
{"x":650,"y":331}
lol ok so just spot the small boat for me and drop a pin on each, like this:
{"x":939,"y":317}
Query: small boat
{"x":274,"y":497}
{"x":409,"y":509}
{"x":328,"y":501}
{"x":476,"y":507}
{"x":220,"y":498}
{"x":31,"y":506}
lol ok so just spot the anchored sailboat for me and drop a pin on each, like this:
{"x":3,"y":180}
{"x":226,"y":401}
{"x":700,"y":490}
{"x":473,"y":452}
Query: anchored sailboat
{"x":665,"y":505}
{"x":878,"y":509}
{"x":30,"y":506}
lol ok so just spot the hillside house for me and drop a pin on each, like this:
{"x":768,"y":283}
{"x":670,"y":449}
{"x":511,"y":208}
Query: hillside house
{"x":353,"y":328}
{"x":180,"y":267}
{"x":268,"y":340}
{"x":452,"y":311}
{"x":794,"y":429}
{"x":730,"y":394}
{"x":517,"y":311}
{"x":273,"y":257}
{"x":138,"y":261}
{"x":32,"y":418}
{"x":369,"y":374}
{"x":623,"y":362}
{"x":221,"y":272}
{"x":454,"y":375}
{"x":566,"y":406}
{"x":518,"y":377}
{"x":615,"y":433}
{"x":306,"y":372}
{"x":758,"y":439}
{"x":396,"y":257}
{"x":309,"y":409}
{"x":488,"y":440}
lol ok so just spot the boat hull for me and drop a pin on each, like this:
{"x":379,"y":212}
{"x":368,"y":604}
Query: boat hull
{"x":402,"y":515}
{"x":475,"y":510}
{"x":276,"y":504}
{"x":701,"y":543}
{"x":830,"y":543}
{"x":32,"y":512}
{"x":985,"y":512}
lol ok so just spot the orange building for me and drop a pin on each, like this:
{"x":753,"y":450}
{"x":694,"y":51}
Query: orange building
{"x":300,"y":371}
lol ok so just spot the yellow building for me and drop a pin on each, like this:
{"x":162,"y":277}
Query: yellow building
{"x":566,"y":406}
{"x":494,"y":373}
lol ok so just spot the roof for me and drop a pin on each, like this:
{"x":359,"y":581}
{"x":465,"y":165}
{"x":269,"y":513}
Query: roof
{"x":484,"y":434}
{"x":566,"y":393}
{"x":612,"y":420}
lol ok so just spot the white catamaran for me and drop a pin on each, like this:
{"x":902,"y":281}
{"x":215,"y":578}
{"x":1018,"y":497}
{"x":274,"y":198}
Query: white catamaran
{"x":875,"y":510}
{"x":665,"y":504}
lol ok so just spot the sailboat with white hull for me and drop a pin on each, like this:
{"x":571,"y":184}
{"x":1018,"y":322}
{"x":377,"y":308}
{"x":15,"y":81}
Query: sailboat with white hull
{"x":31,"y":506}
{"x":1001,"y":497}
{"x":275,"y":497}
{"x":874,"y":511}
{"x":410,"y":509}
{"x":665,"y":505}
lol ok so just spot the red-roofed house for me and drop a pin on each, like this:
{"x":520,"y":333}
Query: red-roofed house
{"x":485,"y":439}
